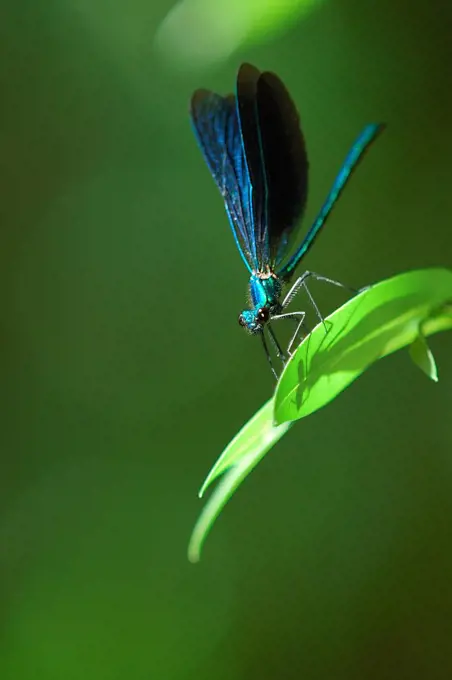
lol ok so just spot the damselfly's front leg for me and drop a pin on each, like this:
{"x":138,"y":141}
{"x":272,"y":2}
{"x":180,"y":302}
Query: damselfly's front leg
{"x":299,"y":317}
{"x":301,"y":283}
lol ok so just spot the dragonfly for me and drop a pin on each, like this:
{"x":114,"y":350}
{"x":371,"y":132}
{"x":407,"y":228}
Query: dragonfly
{"x":255,"y":150}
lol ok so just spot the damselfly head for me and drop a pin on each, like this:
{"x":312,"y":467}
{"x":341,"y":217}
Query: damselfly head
{"x":254,"y":320}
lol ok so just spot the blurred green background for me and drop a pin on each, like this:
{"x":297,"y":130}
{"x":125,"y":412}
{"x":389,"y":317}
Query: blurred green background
{"x":125,"y":373}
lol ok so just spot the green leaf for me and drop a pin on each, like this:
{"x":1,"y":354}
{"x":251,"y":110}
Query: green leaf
{"x":392,"y":314}
{"x":228,"y":25}
{"x":375,"y":323}
{"x":257,"y":435}
{"x":239,"y":457}
{"x":422,"y":356}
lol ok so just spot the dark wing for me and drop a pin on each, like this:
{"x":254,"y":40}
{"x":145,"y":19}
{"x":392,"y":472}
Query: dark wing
{"x":276,"y":158}
{"x":217,"y":129}
{"x":247,"y":80}
{"x":286,"y":162}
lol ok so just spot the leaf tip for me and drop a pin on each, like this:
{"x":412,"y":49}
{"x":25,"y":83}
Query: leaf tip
{"x":193,"y":555}
{"x":421,"y":355}
{"x":205,"y":485}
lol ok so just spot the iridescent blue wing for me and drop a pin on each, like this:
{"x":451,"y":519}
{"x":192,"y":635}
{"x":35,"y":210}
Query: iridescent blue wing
{"x":277,"y":161}
{"x":217,"y":130}
{"x":355,"y":155}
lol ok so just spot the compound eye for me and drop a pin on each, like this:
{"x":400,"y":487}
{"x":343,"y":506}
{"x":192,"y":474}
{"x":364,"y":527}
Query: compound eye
{"x":263,"y":314}
{"x":242,"y":321}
